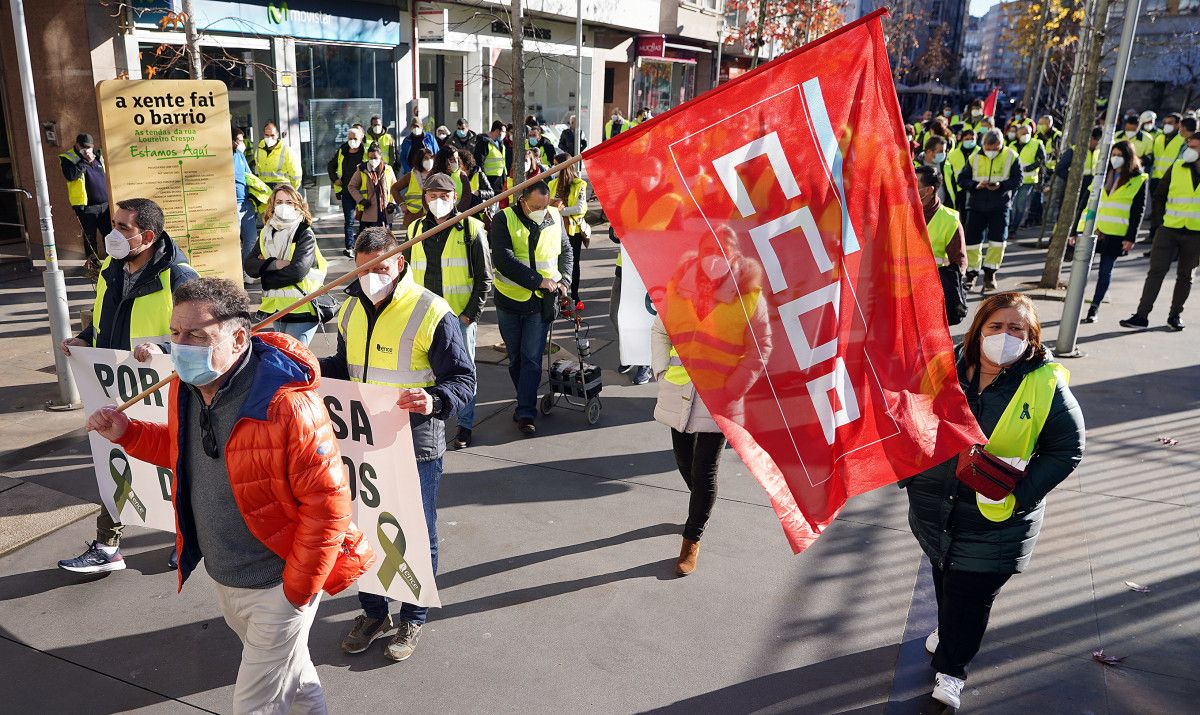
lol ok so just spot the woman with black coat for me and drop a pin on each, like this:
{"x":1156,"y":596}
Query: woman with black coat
{"x":1122,"y":204}
{"x":1021,"y":400}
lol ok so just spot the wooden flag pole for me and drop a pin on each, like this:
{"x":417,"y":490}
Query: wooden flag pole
{"x":359,"y":270}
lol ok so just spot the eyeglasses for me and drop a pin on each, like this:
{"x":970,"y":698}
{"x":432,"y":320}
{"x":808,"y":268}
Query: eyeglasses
{"x":208,"y":438}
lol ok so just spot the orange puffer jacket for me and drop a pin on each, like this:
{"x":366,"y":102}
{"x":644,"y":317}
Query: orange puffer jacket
{"x":285,"y":468}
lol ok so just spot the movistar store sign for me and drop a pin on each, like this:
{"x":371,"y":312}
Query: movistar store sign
{"x":304,"y":19}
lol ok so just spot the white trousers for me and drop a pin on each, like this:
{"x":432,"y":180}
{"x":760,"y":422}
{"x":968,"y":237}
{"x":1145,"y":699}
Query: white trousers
{"x":276,"y":675}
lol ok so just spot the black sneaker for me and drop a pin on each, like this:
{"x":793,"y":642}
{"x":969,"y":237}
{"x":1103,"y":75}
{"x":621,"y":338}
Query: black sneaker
{"x":525,"y":424}
{"x":94,"y":560}
{"x":462,"y":440}
{"x":969,"y":281}
{"x":1175,"y":323}
{"x":173,"y":559}
{"x":404,"y":643}
{"x":1134,"y":321}
{"x":348,"y":253}
{"x":365,"y":631}
{"x":624,"y":368}
{"x":642,"y":376}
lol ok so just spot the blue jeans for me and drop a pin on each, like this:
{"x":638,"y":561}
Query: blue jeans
{"x":1104,"y":277}
{"x":301,"y":331}
{"x":1020,"y":204}
{"x":247,"y":226}
{"x":525,"y":339}
{"x":349,"y":208}
{"x":466,"y":416}
{"x":376,"y":606}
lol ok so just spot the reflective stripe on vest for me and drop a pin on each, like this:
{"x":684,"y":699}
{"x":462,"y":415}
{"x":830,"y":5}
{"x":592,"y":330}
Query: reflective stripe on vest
{"x":545,"y":255}
{"x":1112,"y":215}
{"x":1165,"y":154}
{"x":1028,"y":155}
{"x":276,"y":299}
{"x":398,"y":351}
{"x":676,"y":374}
{"x":577,"y":186}
{"x":150,"y":317}
{"x":1016,"y":433}
{"x":493,"y":162}
{"x":1089,"y":166}
{"x":942,"y":226}
{"x":76,"y":189}
{"x":457,"y":282}
{"x":1183,"y":200}
{"x":386,"y":181}
{"x":994,"y":174}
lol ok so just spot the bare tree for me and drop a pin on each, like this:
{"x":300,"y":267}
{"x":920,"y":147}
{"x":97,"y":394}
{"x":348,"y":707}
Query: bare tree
{"x":517,"y":25}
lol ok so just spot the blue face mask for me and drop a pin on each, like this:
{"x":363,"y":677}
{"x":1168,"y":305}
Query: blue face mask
{"x":968,"y":144}
{"x":193,"y":363}
{"x":939,"y":157}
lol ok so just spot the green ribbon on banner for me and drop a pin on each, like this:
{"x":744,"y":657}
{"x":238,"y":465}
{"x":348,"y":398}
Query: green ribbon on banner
{"x":124,"y":479}
{"x":393,"y":556}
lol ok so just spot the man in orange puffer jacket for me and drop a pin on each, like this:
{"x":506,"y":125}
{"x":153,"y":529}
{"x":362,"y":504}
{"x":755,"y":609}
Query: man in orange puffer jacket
{"x":259,"y":489}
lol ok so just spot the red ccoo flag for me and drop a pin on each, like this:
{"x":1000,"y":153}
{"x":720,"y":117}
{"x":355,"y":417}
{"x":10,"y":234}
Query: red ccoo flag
{"x":776,"y":224}
{"x":989,"y":105}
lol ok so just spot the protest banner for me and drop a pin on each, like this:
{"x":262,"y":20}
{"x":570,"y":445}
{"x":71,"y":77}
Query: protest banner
{"x":778,"y":231}
{"x":169,"y":141}
{"x":635,"y":316}
{"x":376,"y":449}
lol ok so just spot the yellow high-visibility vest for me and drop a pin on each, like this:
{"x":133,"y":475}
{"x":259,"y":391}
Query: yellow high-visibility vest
{"x":276,"y":299}
{"x":277,"y":165}
{"x":942,"y":226}
{"x":493,"y":162}
{"x":993,"y":171}
{"x":396,"y":351}
{"x":545,"y":255}
{"x":150,"y":319}
{"x":578,"y":186}
{"x":1028,"y":155}
{"x":1165,"y":154}
{"x":76,"y":189}
{"x":1183,"y":199}
{"x":385,"y":146}
{"x":1112,"y":215}
{"x":457,"y":281}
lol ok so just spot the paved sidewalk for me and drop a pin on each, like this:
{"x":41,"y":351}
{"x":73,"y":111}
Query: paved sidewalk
{"x":557,"y":557}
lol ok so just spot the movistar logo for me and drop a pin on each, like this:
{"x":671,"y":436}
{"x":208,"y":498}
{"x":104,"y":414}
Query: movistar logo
{"x":277,"y":13}
{"x":1025,"y":412}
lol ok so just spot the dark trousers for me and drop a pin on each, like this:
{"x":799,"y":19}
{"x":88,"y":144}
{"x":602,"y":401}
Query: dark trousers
{"x":376,"y":606}
{"x":108,"y":532}
{"x":964,"y":601}
{"x":95,"y":221}
{"x":1170,"y":243}
{"x":1103,"y":278}
{"x":576,"y":251}
{"x":525,"y":340}
{"x":349,"y":208}
{"x":698,"y":455}
{"x":994,"y":224}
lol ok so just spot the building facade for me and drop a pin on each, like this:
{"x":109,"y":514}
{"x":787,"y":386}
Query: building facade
{"x":1164,"y":70}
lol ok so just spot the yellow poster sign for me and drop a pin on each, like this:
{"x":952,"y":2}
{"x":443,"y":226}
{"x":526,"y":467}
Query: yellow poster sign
{"x":169,"y":141}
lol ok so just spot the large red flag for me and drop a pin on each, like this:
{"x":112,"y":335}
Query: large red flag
{"x":989,"y":104}
{"x":776,"y":224}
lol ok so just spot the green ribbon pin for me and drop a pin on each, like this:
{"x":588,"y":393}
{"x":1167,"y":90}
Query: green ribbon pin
{"x":393,"y":556}
{"x":124,"y":479}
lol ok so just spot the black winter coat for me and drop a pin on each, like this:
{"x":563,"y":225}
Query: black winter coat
{"x":943,"y":513}
{"x":303,"y":259}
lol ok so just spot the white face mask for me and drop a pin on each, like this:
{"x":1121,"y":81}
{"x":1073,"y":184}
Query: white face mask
{"x":285,"y":213}
{"x":1003,"y":349}
{"x":1012,"y":135}
{"x":714,"y":267}
{"x":1168,"y":129}
{"x":442,"y":136}
{"x":1116,"y":161}
{"x":991,"y":153}
{"x":1023,"y":138}
{"x":427,"y":164}
{"x":375,"y":285}
{"x":417,"y":131}
{"x":353,"y":143}
{"x":452,"y":166}
{"x":537,"y":216}
{"x":377,"y":128}
{"x":374,"y":164}
{"x":239,"y":147}
{"x":441,"y":207}
{"x":976,"y":113}
{"x":270,"y":141}
{"x":116,"y":244}
{"x":1189,"y":155}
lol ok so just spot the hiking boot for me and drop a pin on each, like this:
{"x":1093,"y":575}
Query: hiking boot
{"x":525,"y":424}
{"x":989,"y":279}
{"x":688,"y":553}
{"x":642,"y":376}
{"x":1175,"y":323}
{"x":948,"y":689}
{"x":365,"y":631}
{"x":404,"y":643}
{"x":931,"y":642}
{"x":462,"y":440}
{"x":94,"y":560}
{"x":1134,"y":321}
{"x":969,"y":281}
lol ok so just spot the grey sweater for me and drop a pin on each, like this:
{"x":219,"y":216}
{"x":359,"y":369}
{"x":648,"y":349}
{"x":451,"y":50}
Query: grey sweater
{"x":232,"y":555}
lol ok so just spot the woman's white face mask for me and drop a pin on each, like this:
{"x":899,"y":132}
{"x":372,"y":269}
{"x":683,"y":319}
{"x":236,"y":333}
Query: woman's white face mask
{"x":1003,"y":349}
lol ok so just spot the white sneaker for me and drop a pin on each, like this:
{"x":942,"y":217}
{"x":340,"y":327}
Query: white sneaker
{"x":947,"y":689}
{"x":931,"y":642}
{"x":249,"y":279}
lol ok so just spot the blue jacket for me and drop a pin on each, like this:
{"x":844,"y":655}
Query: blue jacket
{"x":407,"y":146}
{"x":240,"y":167}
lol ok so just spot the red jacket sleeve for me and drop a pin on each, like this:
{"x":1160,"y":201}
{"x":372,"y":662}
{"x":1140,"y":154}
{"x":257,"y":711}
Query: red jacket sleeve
{"x":149,"y":442}
{"x":318,"y":482}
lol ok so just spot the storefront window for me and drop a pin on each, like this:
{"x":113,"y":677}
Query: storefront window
{"x":550,"y":85}
{"x":662,"y":85}
{"x":365,"y":75}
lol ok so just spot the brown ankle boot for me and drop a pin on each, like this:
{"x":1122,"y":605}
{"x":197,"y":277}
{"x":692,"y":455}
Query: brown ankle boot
{"x":687,"y":557}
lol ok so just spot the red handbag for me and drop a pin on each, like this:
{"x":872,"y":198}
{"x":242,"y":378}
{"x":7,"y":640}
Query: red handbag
{"x":986,"y":473}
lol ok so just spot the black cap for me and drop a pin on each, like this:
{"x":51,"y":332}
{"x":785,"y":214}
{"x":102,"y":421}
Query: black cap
{"x":84,"y":140}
